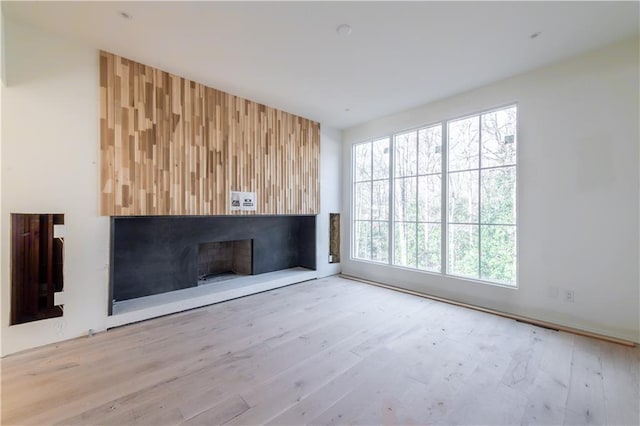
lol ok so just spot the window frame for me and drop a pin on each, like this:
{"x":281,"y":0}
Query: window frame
{"x":444,"y":198}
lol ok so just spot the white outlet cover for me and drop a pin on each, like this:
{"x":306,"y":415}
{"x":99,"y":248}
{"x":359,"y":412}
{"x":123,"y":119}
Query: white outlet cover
{"x":569,"y":295}
{"x":59,"y":231}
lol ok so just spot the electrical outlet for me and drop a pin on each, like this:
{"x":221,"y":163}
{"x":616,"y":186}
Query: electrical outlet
{"x":569,"y":296}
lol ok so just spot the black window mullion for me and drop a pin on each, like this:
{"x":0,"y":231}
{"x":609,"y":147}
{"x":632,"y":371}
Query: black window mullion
{"x":392,"y":194}
{"x":371,"y":204}
{"x":444,"y":199}
{"x":415,"y":237}
{"x":479,"y":194}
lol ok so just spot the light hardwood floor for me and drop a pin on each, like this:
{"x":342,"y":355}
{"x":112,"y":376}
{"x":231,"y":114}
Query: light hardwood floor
{"x":330,"y":351}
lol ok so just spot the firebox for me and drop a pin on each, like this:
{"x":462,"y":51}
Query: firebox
{"x":222,"y":260}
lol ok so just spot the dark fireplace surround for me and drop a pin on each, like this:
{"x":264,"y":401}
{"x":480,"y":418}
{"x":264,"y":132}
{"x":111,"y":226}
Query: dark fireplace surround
{"x":158,"y":254}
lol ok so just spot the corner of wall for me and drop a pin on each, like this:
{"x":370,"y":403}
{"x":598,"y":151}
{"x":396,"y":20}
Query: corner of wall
{"x":2,"y":83}
{"x":330,"y":196}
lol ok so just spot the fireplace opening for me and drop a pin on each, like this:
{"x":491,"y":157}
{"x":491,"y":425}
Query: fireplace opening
{"x":224,"y":260}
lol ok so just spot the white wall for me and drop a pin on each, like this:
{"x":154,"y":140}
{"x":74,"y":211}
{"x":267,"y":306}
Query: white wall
{"x":2,"y":69}
{"x":50,"y":165}
{"x":2,"y":79}
{"x":330,"y":196}
{"x":578,"y":193}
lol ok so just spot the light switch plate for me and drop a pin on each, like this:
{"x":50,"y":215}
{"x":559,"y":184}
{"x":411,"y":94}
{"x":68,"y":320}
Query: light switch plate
{"x":58,"y":298}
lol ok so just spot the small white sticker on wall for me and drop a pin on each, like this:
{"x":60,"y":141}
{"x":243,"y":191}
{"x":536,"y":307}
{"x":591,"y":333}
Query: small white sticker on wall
{"x":249,"y":201}
{"x":235,"y":200}
{"x":245,"y":201}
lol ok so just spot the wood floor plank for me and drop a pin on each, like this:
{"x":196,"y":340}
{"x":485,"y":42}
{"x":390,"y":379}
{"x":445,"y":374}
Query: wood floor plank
{"x":220,"y":413}
{"x":275,"y":396}
{"x":213,"y":362}
{"x":199,"y":341}
{"x":272,"y":360}
{"x":621,"y":376}
{"x":319,"y":401}
{"x":243,"y":360}
{"x":329,"y":351}
{"x":349,"y":407}
{"x":137,"y":334}
{"x":300,"y":382}
{"x":585,"y":402}
{"x":548,"y":393}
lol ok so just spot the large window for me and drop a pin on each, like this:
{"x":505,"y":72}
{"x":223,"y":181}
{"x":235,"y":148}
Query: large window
{"x":418,"y":198}
{"x":371,"y":200}
{"x":482,"y":196}
{"x":405,"y":213}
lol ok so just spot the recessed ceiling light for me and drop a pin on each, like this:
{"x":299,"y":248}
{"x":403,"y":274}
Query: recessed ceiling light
{"x":535,"y":35}
{"x":344,"y":30}
{"x":124,"y":14}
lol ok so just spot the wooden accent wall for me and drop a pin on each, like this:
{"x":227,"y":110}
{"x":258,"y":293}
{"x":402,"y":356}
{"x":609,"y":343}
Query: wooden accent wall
{"x":170,"y":146}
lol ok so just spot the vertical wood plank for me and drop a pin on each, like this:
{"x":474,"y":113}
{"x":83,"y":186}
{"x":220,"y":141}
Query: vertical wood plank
{"x":173,"y":146}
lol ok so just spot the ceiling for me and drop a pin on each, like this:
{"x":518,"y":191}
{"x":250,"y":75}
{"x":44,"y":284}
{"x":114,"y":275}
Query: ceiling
{"x":288,"y":54}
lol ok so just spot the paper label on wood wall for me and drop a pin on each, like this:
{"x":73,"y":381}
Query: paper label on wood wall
{"x":244,"y":201}
{"x":235,"y":200}
{"x":249,"y":201}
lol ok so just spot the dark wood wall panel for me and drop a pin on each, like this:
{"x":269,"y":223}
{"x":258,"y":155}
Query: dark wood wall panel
{"x":170,"y":146}
{"x":36,"y":266}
